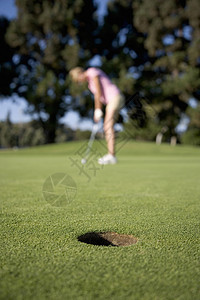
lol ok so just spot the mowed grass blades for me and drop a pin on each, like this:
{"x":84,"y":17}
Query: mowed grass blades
{"x":153,"y":193}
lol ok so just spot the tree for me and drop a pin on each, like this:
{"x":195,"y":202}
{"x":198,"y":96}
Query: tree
{"x":7,"y":138}
{"x":172,"y":40}
{"x":122,"y":46}
{"x":50,"y":37}
{"x":7,"y":70}
{"x":154,"y":47}
{"x":192,"y":135}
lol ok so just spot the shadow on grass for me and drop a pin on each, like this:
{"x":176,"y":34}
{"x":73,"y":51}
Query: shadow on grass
{"x":107,"y":239}
{"x":94,"y":238}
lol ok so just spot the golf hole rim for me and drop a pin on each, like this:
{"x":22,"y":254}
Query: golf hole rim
{"x":107,"y":238}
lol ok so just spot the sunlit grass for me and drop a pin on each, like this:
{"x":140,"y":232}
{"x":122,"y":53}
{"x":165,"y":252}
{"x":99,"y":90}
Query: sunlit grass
{"x":152,"y":193}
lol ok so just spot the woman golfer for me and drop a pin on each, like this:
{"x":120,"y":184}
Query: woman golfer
{"x":105,"y":93}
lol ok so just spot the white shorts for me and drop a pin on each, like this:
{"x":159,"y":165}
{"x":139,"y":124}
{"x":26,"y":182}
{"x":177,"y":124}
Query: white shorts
{"x":116,"y":103}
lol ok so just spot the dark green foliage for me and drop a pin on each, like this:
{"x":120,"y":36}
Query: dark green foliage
{"x":82,"y":135}
{"x":50,"y":38}
{"x":7,"y":70}
{"x":154,"y":48}
{"x":31,"y":134}
{"x":20,"y":135}
{"x":172,"y":42}
{"x":143,"y":121}
{"x":122,"y":45}
{"x":192,"y":135}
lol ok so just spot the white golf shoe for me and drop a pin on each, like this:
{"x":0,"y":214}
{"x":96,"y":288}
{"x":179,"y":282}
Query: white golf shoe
{"x":107,"y":159}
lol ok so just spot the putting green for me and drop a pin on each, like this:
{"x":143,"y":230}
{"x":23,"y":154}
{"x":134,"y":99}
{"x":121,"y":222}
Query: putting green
{"x":152,"y":193}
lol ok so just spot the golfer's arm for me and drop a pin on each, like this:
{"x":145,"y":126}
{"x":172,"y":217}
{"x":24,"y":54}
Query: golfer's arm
{"x":98,"y":94}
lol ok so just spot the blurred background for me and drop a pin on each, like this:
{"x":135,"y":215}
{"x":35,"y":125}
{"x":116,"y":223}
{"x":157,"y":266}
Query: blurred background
{"x":150,"y":47}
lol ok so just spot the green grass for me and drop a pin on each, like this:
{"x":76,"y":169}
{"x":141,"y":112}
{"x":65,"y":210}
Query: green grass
{"x":152,"y":193}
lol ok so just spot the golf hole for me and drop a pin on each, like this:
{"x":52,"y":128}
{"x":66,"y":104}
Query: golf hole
{"x":107,"y":239}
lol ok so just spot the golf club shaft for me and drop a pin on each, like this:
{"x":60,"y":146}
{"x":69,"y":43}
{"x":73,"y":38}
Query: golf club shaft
{"x":91,"y":140}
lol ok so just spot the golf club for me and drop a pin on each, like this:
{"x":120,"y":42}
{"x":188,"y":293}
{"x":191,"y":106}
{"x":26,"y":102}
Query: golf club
{"x":91,"y":140}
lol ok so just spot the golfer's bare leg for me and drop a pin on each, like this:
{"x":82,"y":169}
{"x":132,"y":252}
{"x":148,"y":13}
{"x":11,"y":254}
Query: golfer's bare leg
{"x":109,"y":130}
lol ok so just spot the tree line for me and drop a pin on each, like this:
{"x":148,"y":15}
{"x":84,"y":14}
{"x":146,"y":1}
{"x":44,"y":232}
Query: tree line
{"x":151,"y":47}
{"x":20,"y":135}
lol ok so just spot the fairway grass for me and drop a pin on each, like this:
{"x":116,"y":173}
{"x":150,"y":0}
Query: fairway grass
{"x":153,"y":193}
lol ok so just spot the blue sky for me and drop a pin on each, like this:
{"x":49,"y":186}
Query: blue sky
{"x":16,"y":109}
{"x":8,"y":8}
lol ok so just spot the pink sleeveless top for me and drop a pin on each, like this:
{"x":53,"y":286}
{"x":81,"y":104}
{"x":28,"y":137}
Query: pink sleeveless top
{"x":109,"y":90}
